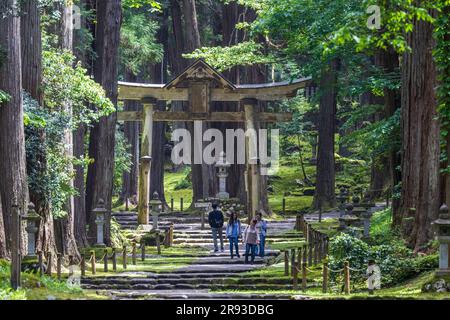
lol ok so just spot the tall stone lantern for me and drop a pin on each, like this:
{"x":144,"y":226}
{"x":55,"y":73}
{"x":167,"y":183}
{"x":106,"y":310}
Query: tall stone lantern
{"x":342,"y":197}
{"x":222,"y":173}
{"x":100,"y":217}
{"x":155,"y":209}
{"x":32,"y":219}
{"x":442,"y":227}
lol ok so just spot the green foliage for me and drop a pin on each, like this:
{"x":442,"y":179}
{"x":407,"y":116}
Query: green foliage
{"x":122,"y":160}
{"x":4,"y":97}
{"x":52,"y":184}
{"x":137,"y":4}
{"x":64,"y":83}
{"x":441,"y":55}
{"x":138,"y":44}
{"x":224,"y":58}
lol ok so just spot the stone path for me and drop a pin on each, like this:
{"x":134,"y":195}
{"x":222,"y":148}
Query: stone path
{"x":206,"y":274}
{"x":212,"y":271}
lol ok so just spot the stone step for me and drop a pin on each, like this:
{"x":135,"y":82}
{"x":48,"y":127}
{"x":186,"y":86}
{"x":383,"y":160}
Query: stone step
{"x":193,"y":280}
{"x":195,"y":294}
{"x":185,"y":286}
{"x":209,"y":240}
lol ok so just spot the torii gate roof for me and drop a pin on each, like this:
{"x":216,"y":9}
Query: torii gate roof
{"x":221,"y":88}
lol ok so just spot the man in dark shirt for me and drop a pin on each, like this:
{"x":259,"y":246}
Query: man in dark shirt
{"x":215,"y":219}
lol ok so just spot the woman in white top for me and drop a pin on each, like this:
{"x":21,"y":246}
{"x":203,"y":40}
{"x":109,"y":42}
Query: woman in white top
{"x":251,"y":240}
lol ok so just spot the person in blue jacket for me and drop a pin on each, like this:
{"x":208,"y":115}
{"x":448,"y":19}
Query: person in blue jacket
{"x":261,"y":225}
{"x":234,"y":233}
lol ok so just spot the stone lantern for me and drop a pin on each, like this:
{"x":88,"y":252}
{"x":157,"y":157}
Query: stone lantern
{"x":442,"y":227}
{"x":155,"y":209}
{"x":32,"y":219}
{"x":342,"y":197}
{"x":349,"y":219}
{"x":366,"y":216}
{"x":100,"y":217}
{"x":222,"y":173}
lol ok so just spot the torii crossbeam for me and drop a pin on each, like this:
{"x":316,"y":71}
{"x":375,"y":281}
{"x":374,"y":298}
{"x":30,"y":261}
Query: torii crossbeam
{"x":199,"y":85}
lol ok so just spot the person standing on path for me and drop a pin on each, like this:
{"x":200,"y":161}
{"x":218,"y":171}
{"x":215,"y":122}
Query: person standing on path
{"x":215,"y":219}
{"x":234,"y":233}
{"x":251,"y":240}
{"x":261,"y":225}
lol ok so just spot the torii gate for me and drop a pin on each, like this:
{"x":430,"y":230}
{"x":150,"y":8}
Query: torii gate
{"x":199,"y":85}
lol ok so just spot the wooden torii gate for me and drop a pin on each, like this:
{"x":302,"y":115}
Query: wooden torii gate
{"x":199,"y":85}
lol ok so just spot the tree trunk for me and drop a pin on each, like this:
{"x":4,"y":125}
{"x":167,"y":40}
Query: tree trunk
{"x":3,"y":251}
{"x":325,"y":181}
{"x":79,"y":204}
{"x":13,"y":189}
{"x":158,"y":74}
{"x":420,"y":127}
{"x":37,"y":160}
{"x":65,"y":226}
{"x":102,"y":135}
{"x":131,"y":133}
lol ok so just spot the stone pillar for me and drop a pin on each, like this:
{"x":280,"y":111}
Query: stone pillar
{"x":252,"y":159}
{"x":100,"y":214}
{"x":145,"y":160}
{"x":222,"y":165}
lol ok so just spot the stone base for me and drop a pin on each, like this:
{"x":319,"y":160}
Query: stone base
{"x":223,"y":195}
{"x":440,"y":273}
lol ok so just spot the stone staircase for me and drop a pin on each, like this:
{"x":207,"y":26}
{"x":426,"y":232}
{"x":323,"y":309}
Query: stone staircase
{"x":206,"y":273}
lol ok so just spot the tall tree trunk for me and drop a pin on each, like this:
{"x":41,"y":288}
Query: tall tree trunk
{"x":79,"y":201}
{"x":65,"y":226}
{"x":79,"y":204}
{"x":13,"y":189}
{"x":325,"y":181}
{"x":102,"y":135}
{"x":3,"y":251}
{"x":203,"y":175}
{"x":131,"y":133}
{"x":158,"y":73}
{"x":31,"y":45}
{"x":420,"y":127}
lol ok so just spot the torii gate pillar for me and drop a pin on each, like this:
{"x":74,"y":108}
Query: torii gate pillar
{"x":253,"y":174}
{"x":145,"y":162}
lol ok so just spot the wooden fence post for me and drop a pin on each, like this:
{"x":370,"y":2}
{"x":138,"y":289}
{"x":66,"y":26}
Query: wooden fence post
{"x":316,"y":247}
{"x":284,"y":205}
{"x":143,"y":251}
{"x":286,"y":263}
{"x":70,"y":265}
{"x":299,"y":259}
{"x":105,"y":260}
{"x":133,"y":253}
{"x":58,"y":265}
{"x":292,"y":261}
{"x":83,"y":265}
{"x":171,"y":204}
{"x":41,"y":263}
{"x":310,"y":251}
{"x":303,"y":277}
{"x":305,"y":253}
{"x":124,"y":257}
{"x":114,"y":259}
{"x":93,"y":261}
{"x":181,"y":204}
{"x":171,"y":235}
{"x":346,"y":278}
{"x":49,"y":264}
{"x":158,"y":243}
{"x":325,"y":277}
{"x":295,"y":277}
